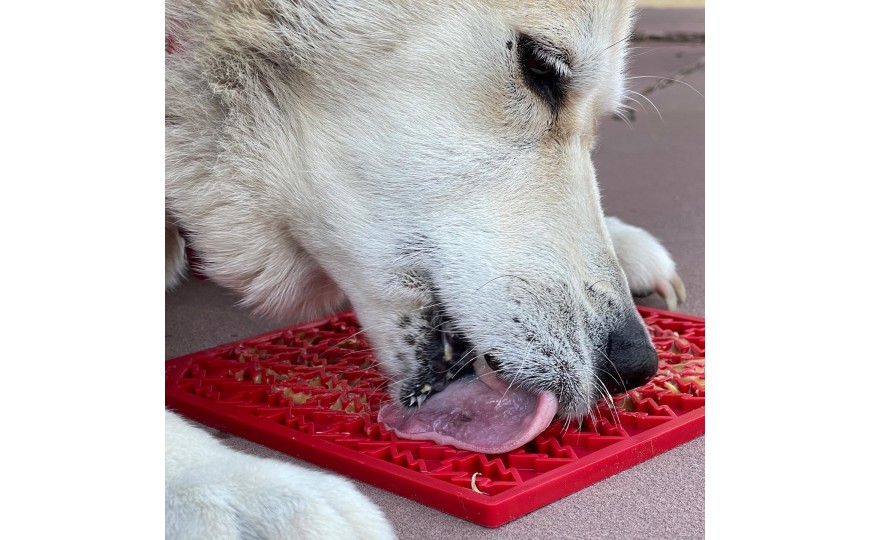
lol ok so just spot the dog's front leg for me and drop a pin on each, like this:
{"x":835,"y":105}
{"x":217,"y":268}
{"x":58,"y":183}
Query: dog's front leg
{"x":215,"y":493}
{"x":646,"y":263}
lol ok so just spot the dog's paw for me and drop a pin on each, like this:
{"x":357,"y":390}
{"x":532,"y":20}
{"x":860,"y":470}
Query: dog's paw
{"x":646,"y":263}
{"x":247,"y":497}
{"x":215,"y":493}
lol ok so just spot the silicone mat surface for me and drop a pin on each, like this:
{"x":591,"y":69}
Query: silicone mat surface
{"x":313,"y":391}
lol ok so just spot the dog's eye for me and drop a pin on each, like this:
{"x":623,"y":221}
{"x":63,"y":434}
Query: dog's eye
{"x":537,"y":66}
{"x":541,"y":71}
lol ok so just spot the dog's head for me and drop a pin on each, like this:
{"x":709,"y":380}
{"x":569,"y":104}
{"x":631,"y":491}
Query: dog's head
{"x":433,"y":159}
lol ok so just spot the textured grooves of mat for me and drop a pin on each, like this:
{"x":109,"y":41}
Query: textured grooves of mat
{"x":313,"y":391}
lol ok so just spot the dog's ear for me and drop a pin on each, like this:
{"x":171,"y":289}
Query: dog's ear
{"x":249,"y":43}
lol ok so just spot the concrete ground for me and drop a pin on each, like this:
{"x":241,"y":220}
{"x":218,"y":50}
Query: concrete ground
{"x":651,"y":172}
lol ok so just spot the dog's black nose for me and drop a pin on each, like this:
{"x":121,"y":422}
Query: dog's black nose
{"x":631,"y":360}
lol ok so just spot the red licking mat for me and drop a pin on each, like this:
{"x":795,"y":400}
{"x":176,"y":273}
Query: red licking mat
{"x":312,"y":391}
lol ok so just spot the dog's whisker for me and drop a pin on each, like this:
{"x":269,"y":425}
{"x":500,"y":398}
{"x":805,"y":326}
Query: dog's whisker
{"x":626,"y":38}
{"x":678,"y":81}
{"x":523,"y":280}
{"x":636,"y":52}
{"x":650,"y":102}
{"x":594,"y":419}
{"x":452,"y":368}
{"x":568,"y":424}
{"x":518,"y":372}
{"x":615,"y":369}
{"x":621,"y":115}
{"x":639,"y":104}
{"x":608,"y":400}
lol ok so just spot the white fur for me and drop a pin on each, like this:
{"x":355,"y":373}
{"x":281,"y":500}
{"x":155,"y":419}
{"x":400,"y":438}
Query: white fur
{"x":214,"y":493}
{"x":391,"y":156}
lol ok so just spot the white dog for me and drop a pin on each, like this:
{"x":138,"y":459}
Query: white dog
{"x":427,"y":163}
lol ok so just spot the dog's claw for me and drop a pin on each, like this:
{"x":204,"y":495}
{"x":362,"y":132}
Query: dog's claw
{"x":680,"y":288}
{"x":673,"y":291}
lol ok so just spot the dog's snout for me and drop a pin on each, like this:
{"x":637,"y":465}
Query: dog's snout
{"x":631,"y":360}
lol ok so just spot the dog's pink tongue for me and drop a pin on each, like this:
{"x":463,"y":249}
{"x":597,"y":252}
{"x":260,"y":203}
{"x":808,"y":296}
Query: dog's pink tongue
{"x":475,"y":413}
